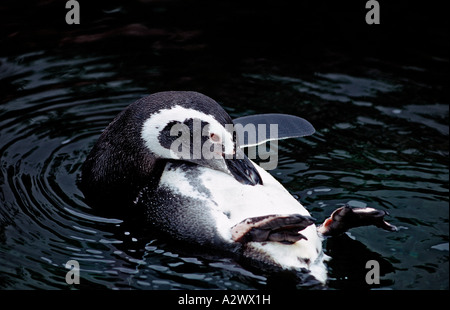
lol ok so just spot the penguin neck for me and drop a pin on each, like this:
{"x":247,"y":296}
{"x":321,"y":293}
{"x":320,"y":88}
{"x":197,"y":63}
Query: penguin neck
{"x":118,"y":166}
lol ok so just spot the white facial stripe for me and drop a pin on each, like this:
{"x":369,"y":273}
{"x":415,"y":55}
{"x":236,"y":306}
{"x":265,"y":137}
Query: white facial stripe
{"x":153,"y":126}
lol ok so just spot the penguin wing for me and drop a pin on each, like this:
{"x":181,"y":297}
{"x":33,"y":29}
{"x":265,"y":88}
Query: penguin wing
{"x":257,"y":129}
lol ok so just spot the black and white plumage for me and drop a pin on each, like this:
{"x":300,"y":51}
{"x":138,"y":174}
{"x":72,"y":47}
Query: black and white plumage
{"x":227,"y":202}
{"x":134,"y":148}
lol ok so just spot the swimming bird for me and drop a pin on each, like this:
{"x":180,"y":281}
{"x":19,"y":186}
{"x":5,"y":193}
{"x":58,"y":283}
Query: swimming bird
{"x":178,"y":156}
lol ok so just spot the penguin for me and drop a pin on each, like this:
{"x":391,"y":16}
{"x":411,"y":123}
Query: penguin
{"x":176,"y":156}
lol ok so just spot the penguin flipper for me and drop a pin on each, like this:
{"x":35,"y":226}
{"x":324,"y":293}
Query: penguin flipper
{"x":288,"y":126}
{"x":274,"y":227}
{"x":344,"y":218}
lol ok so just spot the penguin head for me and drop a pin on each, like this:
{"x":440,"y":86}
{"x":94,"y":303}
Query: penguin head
{"x":199,"y":131}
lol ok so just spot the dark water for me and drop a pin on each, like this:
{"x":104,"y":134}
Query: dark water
{"x":377,"y":98}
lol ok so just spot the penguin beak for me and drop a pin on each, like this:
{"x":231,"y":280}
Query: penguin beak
{"x":243,"y":170}
{"x":237,"y":165}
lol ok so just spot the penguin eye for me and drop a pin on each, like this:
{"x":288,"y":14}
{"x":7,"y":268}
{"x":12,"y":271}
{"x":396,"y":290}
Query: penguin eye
{"x":215,"y":138}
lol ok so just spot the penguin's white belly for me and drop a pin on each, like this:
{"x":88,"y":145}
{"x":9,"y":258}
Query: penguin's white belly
{"x":229,"y":202}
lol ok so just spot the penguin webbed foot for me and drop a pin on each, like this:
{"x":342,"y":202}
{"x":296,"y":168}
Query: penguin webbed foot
{"x":344,"y":218}
{"x":279,"y":228}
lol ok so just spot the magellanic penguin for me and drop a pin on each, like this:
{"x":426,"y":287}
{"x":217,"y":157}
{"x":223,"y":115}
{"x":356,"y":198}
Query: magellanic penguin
{"x":225,"y":202}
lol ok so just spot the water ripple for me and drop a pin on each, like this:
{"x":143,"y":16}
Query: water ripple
{"x":381,"y":153}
